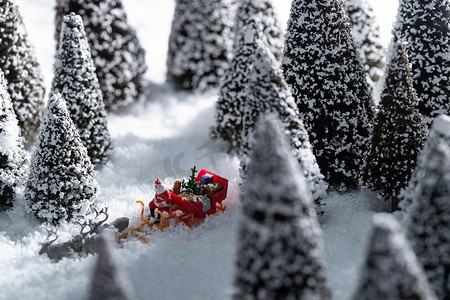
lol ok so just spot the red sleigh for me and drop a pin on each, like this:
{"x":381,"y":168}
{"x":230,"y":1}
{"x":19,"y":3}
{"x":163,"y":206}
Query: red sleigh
{"x":185,"y":211}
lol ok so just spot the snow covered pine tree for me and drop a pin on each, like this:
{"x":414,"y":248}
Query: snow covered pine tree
{"x":439,"y":132}
{"x":425,"y":26}
{"x":391,"y":271}
{"x":61,"y":178}
{"x":367,"y":37}
{"x":118,"y":56}
{"x":322,"y":67}
{"x":230,"y":105}
{"x":399,"y":130}
{"x":279,"y":251}
{"x":108,"y":280}
{"x":428,"y":218}
{"x":263,"y":9}
{"x":12,"y":154}
{"x":200,"y":43}
{"x":23,"y":75}
{"x":76,"y":81}
{"x":268,"y":92}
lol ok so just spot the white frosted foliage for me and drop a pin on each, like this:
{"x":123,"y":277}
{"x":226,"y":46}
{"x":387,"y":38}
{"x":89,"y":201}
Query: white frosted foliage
{"x":61,"y":182}
{"x":12,"y":154}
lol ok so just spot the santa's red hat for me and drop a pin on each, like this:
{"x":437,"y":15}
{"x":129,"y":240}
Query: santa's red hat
{"x":158,"y":181}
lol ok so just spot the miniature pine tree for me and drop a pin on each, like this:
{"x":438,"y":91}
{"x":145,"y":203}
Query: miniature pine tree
{"x":428,"y":219}
{"x":232,"y":95}
{"x":22,"y":72}
{"x":280,"y":253}
{"x":440,"y":130}
{"x":399,"y":130}
{"x":322,"y":68}
{"x":367,"y":37}
{"x":199,"y":43}
{"x":12,"y":154}
{"x":61,"y":179}
{"x":424,"y":25}
{"x":77,"y":82}
{"x":391,"y":270}
{"x":264,"y":10}
{"x":118,"y":56}
{"x":268,"y":92}
{"x":108,"y":280}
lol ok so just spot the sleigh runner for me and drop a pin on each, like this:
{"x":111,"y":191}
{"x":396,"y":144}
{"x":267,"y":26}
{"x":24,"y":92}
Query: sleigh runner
{"x":185,"y":203}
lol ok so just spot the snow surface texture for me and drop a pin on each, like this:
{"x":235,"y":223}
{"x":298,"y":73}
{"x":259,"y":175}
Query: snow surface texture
{"x":164,"y":138}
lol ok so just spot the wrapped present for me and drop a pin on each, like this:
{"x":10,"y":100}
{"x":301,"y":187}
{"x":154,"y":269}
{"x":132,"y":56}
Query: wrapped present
{"x":207,"y":178}
{"x":211,"y":188}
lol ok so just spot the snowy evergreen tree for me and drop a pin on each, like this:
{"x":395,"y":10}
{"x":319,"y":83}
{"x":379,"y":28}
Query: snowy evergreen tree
{"x":322,"y":67}
{"x":61,"y":179}
{"x":367,"y":37}
{"x":280,"y":251}
{"x":12,"y":154}
{"x":22,"y":72}
{"x":428,"y":221}
{"x":76,"y":81}
{"x":268,"y":92}
{"x":118,"y":56}
{"x":399,"y":130}
{"x":229,"y":109}
{"x":109,"y":280}
{"x":424,"y":25}
{"x":264,"y":10}
{"x":439,"y":132}
{"x":199,"y":43}
{"x":391,"y":270}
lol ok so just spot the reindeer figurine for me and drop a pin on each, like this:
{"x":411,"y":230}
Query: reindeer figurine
{"x":84,"y":243}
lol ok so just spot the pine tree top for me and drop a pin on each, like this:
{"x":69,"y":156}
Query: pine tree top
{"x":108,"y":280}
{"x":392,"y":270}
{"x":271,"y":28}
{"x":428,"y":218}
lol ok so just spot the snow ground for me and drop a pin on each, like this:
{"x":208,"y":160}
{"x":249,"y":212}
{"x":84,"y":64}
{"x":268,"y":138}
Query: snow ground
{"x":164,"y":137}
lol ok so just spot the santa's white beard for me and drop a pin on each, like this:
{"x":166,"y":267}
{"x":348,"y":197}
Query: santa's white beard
{"x":160,"y":188}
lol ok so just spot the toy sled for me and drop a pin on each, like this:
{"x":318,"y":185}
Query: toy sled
{"x":182,"y":210}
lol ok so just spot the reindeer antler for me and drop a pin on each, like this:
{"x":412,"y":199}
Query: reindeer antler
{"x":94,"y":223}
{"x":50,"y":232}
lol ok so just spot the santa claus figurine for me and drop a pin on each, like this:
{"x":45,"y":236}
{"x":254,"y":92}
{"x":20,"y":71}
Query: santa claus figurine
{"x":162,"y":199}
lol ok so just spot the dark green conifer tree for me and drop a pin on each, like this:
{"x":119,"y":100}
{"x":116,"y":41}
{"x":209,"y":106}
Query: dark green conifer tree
{"x":322,"y":68}
{"x":399,"y":130}
{"x":229,"y":109}
{"x":12,"y":154}
{"x":428,"y":218}
{"x":367,"y":37}
{"x":76,"y":81}
{"x":118,"y":56}
{"x":268,"y":92}
{"x":22,"y":72}
{"x":425,"y":26}
{"x":280,"y":250}
{"x":200,"y":43}
{"x":61,"y":183}
{"x":391,"y":270}
{"x":264,"y":10}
